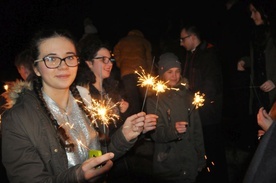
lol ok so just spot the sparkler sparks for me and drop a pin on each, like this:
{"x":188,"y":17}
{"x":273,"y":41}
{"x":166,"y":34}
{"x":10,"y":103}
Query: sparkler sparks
{"x":198,"y":100}
{"x":102,"y":110}
{"x":144,"y":79}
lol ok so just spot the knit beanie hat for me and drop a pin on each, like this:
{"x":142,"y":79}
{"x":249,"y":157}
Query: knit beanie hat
{"x":166,"y":61}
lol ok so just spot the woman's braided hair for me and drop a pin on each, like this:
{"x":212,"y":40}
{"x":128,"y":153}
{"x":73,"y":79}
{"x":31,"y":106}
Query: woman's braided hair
{"x":37,"y":85}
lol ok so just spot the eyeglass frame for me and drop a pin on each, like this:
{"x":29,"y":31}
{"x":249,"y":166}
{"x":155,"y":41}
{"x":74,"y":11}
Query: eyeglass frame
{"x":60,"y":60}
{"x":104,"y":59}
{"x":182,"y":39}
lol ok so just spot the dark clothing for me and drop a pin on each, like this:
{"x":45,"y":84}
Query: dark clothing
{"x":263,"y":165}
{"x":262,"y":64}
{"x":37,"y":154}
{"x":203,"y":71}
{"x":132,"y":92}
{"x":120,"y":172}
{"x":177,"y":157}
{"x":132,"y":53}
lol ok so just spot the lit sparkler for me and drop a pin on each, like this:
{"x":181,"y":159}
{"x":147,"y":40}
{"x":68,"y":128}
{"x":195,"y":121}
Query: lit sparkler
{"x":102,"y":110}
{"x":145,"y":80}
{"x":197,"y":102}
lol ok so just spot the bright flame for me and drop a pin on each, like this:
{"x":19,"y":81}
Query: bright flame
{"x":160,"y":86}
{"x":6,"y":87}
{"x":145,"y":79}
{"x":198,"y":100}
{"x":102,"y":110}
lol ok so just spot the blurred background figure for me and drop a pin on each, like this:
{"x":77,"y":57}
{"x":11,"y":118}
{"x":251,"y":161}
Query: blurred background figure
{"x":24,"y":64}
{"x":263,"y":163}
{"x":89,"y":28}
{"x":132,"y":52}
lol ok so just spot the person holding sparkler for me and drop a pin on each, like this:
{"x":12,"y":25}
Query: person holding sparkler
{"x":178,"y":138}
{"x":203,"y":70}
{"x":94,"y":73}
{"x":47,"y":129}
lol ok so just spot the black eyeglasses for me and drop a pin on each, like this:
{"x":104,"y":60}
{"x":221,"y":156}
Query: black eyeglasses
{"x":183,"y":38}
{"x":104,"y":59}
{"x":52,"y":62}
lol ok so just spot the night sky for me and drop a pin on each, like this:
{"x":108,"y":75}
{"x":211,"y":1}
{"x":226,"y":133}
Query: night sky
{"x":20,"y":19}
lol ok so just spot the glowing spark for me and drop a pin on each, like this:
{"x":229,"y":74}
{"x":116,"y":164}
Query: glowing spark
{"x":183,"y":84}
{"x":208,"y":169}
{"x":6,"y":87}
{"x":145,"y":79}
{"x":198,"y":100}
{"x":103,"y":110}
{"x":160,"y":86}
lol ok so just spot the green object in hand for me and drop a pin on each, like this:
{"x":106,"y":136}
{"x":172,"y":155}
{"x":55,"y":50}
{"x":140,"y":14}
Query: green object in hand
{"x":94,"y":153}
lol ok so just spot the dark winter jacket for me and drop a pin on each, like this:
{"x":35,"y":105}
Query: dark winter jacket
{"x":176,"y":157}
{"x":31,"y":151}
{"x":203,"y":71}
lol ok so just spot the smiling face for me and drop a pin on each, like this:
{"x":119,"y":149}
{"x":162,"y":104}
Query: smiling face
{"x":173,"y":76}
{"x":63,"y":76}
{"x":98,"y":67}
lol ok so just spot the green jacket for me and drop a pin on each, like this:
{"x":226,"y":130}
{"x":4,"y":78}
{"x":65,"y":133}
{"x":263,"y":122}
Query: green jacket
{"x":31,"y":151}
{"x":176,"y":157}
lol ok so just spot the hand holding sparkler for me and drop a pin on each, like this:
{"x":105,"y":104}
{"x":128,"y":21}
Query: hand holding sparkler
{"x":134,"y":125}
{"x":150,"y":122}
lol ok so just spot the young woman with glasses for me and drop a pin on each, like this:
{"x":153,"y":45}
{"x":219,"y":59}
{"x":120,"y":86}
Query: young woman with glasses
{"x":47,"y":129}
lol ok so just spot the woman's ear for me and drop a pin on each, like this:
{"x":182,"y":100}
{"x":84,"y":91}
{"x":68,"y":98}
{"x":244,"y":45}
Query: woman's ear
{"x":36,"y":71}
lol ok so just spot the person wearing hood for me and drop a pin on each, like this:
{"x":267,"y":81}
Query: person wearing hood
{"x":178,"y":138}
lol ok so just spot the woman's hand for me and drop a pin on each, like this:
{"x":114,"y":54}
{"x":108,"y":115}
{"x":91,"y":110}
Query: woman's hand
{"x":267,"y":86}
{"x":93,"y":168}
{"x":264,"y":120}
{"x":240,"y":65}
{"x":134,"y":125}
{"x":150,"y":122}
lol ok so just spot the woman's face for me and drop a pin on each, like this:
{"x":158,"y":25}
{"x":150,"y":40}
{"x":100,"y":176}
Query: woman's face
{"x":63,"y":76}
{"x":101,"y":65}
{"x":172,"y":75}
{"x":255,"y":15}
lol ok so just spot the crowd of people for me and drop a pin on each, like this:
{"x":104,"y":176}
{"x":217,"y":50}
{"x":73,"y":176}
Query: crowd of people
{"x":52,"y":129}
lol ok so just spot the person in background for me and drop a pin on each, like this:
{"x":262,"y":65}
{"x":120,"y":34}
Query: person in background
{"x":132,"y":52}
{"x":24,"y":64}
{"x":261,"y":61}
{"x":202,"y":68}
{"x":263,"y":164}
{"x":94,"y":73}
{"x":89,"y":28}
{"x":47,"y":129}
{"x":178,"y":138}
